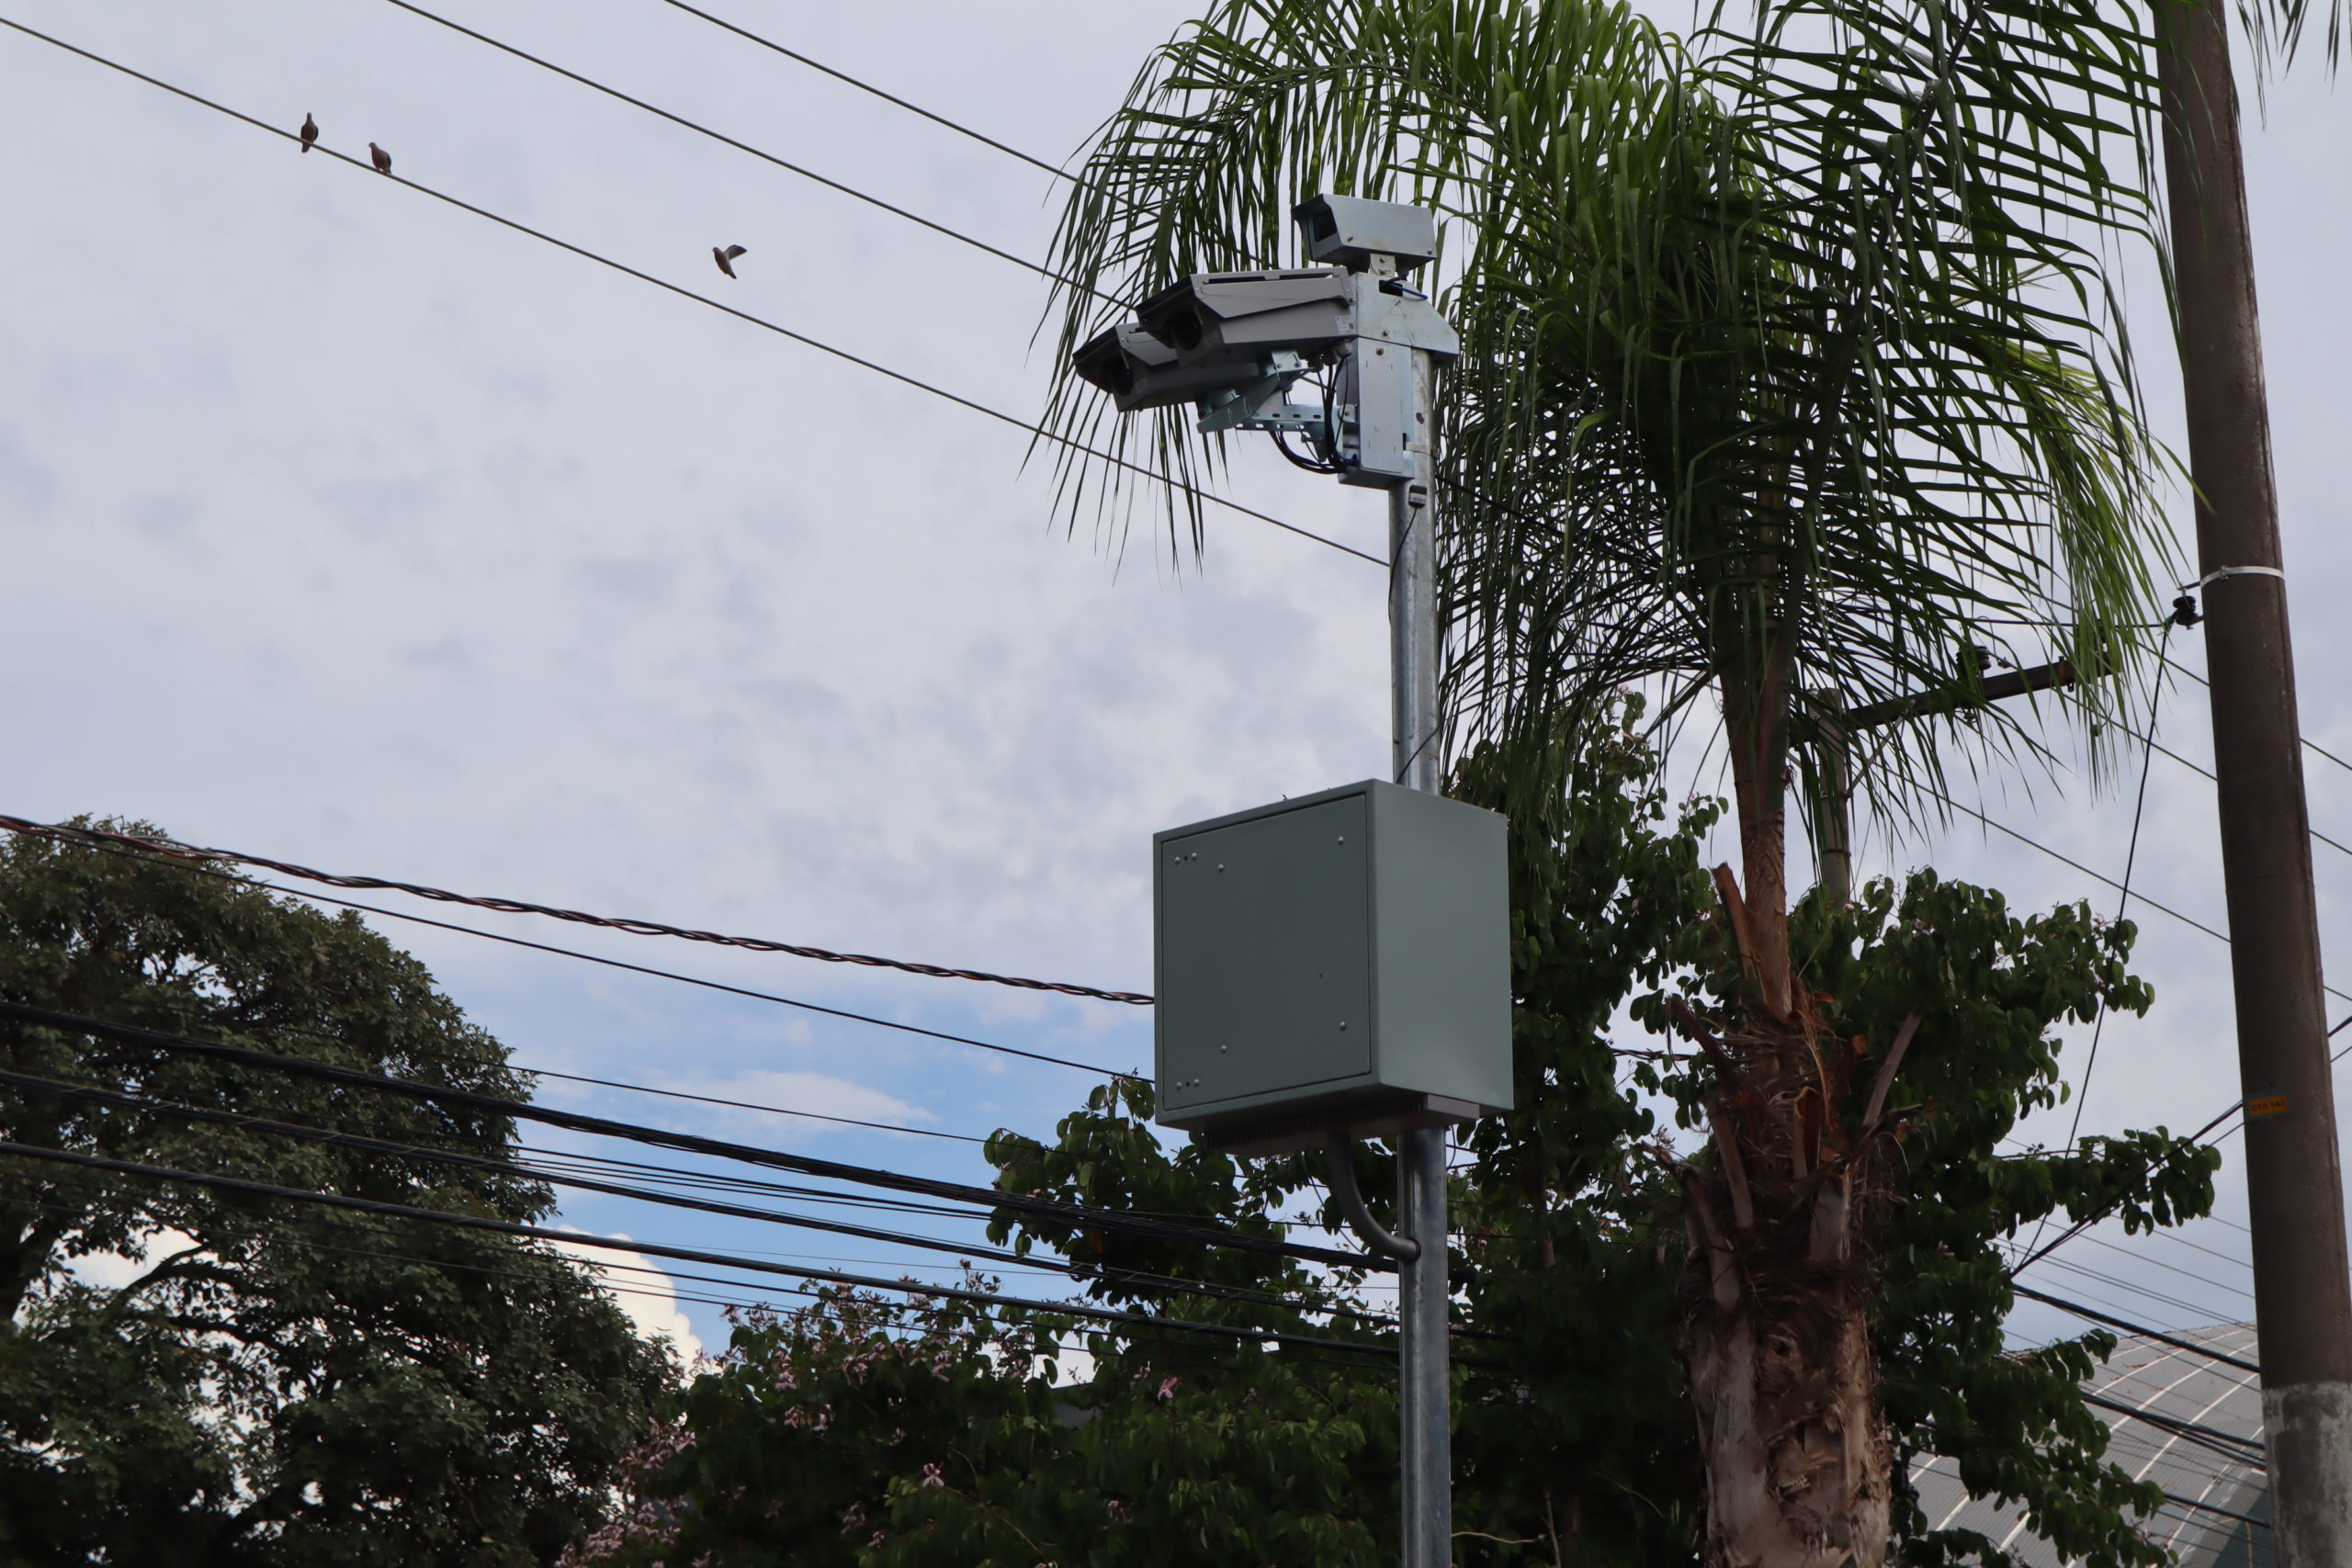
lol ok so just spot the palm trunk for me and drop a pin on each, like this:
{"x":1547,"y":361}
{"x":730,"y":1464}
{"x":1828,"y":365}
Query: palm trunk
{"x":1775,"y":1323}
{"x":1757,"y":737}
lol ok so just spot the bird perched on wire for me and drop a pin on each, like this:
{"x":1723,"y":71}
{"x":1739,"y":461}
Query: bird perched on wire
{"x":726,"y":258}
{"x":309,"y":132}
{"x":382,"y":160}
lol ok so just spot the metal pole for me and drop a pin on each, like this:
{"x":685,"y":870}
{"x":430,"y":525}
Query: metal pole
{"x":1427,"y":1415}
{"x":1833,"y":810}
{"x":2295,"y":1191}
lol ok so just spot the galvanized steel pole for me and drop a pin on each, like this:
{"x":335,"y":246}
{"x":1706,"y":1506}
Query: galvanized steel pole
{"x":1413,"y":641}
{"x":2294,"y":1189}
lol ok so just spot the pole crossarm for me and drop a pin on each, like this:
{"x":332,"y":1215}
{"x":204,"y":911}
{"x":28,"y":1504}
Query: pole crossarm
{"x":2050,"y":677}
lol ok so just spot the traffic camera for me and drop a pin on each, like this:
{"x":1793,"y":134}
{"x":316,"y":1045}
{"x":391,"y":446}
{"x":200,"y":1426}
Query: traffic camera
{"x":1349,"y":231}
{"x":1141,"y":372}
{"x":1235,"y":343}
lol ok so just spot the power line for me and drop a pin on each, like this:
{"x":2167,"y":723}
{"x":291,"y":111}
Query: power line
{"x":657,"y":1249}
{"x":2086,"y":871}
{"x":2131,"y":861}
{"x":2182,"y":1241}
{"x":1037,"y":431}
{"x":600,"y":1268}
{"x":917,"y":110}
{"x":1070,"y":1214}
{"x":2205,"y":772}
{"x":843,"y":76}
{"x":100,"y":1094}
{"x":2308,"y":742}
{"x":2229,"y":1445}
{"x":174,"y":850}
{"x":707,"y":984}
{"x":2169,"y":1267}
{"x":501,"y":1167}
{"x":2199,"y":1136}
{"x":748,"y":1105}
{"x":2141,"y":1329}
{"x":806,"y":174}
{"x":195,"y":869}
{"x":2123,"y":902}
{"x":2194,"y":1310}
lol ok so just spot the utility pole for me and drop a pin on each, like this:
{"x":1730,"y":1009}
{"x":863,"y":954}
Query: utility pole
{"x":1233,"y":344}
{"x":2302,"y":1282}
{"x":1413,"y":644}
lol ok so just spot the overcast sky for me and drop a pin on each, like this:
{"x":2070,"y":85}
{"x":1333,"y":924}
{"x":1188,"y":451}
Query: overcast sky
{"x":352,"y":529}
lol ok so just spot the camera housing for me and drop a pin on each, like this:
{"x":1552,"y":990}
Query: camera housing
{"x":1217,"y":317}
{"x":1348,"y":230}
{"x":1141,"y":372}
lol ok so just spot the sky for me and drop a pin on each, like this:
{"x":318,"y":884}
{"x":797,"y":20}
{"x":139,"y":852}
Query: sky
{"x":356,"y":530}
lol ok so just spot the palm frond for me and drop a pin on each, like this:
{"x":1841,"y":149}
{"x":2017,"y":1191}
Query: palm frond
{"x":1789,"y":358}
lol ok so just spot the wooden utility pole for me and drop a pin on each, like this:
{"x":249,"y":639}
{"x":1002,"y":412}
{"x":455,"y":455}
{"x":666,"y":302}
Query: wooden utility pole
{"x":2295,"y":1192}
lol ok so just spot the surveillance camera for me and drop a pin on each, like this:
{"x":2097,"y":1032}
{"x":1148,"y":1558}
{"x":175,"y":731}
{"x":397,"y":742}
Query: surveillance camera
{"x":1348,"y":230}
{"x":1222,"y":316}
{"x":1141,"y":372}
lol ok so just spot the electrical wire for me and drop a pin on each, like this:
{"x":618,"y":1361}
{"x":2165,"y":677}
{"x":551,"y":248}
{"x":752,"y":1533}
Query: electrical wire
{"x":2308,"y":742}
{"x":2169,"y":1267}
{"x":718,"y":986}
{"x":842,"y":76}
{"x":2195,"y":1310}
{"x":99,"y":1095}
{"x":786,"y":164}
{"x":2200,"y":1135}
{"x":2108,"y":1320}
{"x":2086,"y":871}
{"x":1070,"y":1214}
{"x":1128,"y":1279}
{"x":2123,"y":901}
{"x":174,"y":849}
{"x":2178,"y":1240}
{"x":2207,"y":774}
{"x":820,"y":1305}
{"x":655,"y":1249}
{"x":1037,"y":431}
{"x":2229,"y":1445}
{"x":749,"y":1105}
{"x":197,"y":869}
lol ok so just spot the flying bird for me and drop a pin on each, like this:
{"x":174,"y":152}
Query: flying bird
{"x":726,"y":258}
{"x":383,"y":160}
{"x":309,"y":132}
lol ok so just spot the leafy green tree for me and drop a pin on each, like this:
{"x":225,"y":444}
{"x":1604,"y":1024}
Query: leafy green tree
{"x":1789,"y":382}
{"x":933,"y":1436}
{"x":251,"y":1382}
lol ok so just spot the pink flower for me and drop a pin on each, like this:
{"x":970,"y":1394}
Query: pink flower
{"x":1168,"y":1387}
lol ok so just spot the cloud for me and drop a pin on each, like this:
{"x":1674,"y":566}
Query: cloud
{"x":815,"y":1094}
{"x":642,"y":1291}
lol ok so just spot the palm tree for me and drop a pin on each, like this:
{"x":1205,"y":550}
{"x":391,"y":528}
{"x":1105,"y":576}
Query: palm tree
{"x":1790,"y":381}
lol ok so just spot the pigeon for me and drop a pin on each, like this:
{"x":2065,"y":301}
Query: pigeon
{"x":726,"y":258}
{"x":309,"y":132}
{"x":383,"y":160}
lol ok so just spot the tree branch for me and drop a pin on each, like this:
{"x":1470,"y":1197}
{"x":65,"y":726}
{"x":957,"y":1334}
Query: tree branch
{"x":1886,"y":1071}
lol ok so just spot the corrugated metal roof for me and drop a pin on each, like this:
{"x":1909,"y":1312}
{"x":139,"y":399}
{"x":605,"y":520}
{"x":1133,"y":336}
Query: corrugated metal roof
{"x":2192,"y":1426}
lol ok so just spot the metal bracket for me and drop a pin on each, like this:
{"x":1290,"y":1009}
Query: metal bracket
{"x":1263,"y":405}
{"x":2220,"y":572}
{"x":1344,"y":1188}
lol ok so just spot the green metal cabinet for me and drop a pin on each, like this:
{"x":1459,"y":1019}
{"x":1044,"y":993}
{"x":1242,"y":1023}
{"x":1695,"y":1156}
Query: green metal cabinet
{"x":1337,"y":960}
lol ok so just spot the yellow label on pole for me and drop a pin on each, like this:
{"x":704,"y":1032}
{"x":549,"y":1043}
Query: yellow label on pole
{"x":2268,"y":1105}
